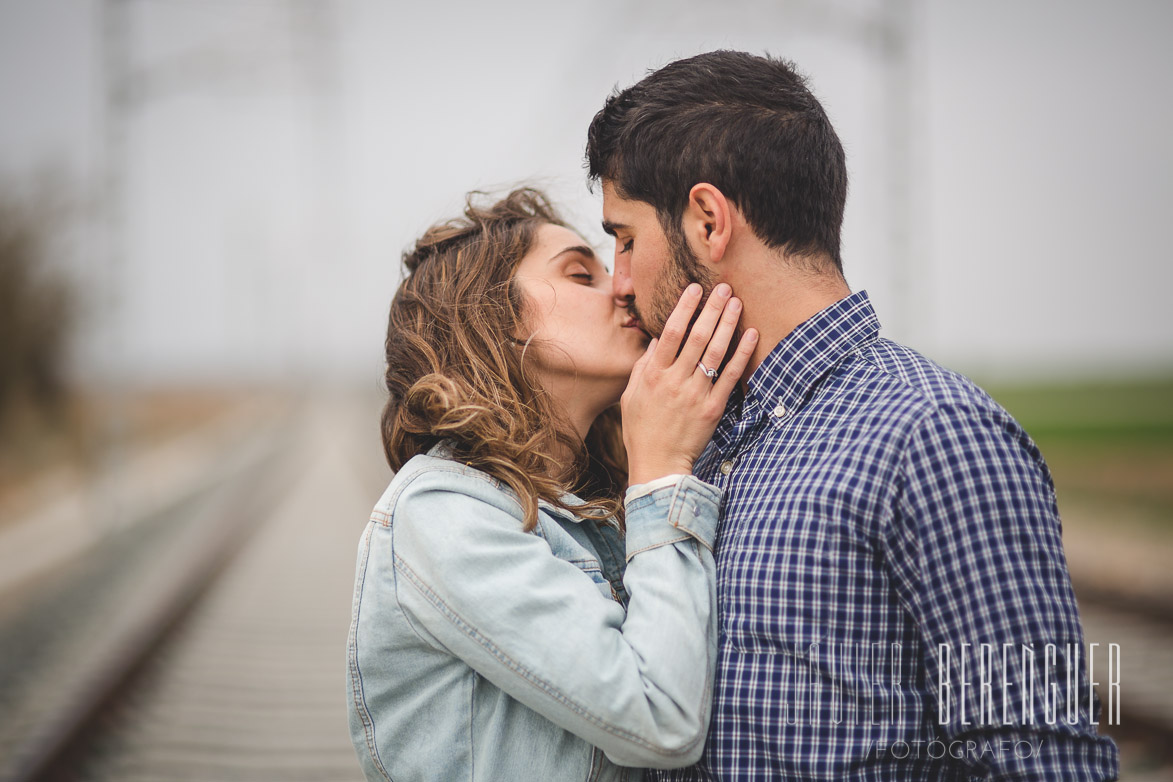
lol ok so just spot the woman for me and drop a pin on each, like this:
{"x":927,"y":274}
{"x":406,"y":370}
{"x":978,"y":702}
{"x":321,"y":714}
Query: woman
{"x":495,"y":634}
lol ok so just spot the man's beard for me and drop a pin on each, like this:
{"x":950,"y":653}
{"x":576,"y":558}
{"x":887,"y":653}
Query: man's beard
{"x":683,"y":269}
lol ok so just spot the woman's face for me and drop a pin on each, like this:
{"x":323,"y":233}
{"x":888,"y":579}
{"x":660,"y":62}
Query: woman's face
{"x":584,"y":342}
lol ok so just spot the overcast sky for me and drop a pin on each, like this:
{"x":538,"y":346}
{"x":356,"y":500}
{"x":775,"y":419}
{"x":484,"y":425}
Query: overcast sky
{"x":274,"y":172}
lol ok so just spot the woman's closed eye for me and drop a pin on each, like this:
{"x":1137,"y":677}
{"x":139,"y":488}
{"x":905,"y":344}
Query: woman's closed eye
{"x":580,"y":272}
{"x":627,"y":246}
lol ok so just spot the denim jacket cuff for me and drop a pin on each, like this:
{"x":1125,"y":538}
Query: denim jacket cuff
{"x":640,"y":489}
{"x":685,"y":508}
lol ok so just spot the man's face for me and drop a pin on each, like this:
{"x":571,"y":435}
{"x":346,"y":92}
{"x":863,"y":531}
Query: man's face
{"x":651,"y":270}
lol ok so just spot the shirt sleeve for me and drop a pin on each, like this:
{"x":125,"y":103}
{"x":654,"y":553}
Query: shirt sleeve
{"x":978,"y":560}
{"x":637,"y":685}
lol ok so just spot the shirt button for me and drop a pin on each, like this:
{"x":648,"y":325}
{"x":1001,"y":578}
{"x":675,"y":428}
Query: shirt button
{"x":780,"y":410}
{"x":726,"y":467}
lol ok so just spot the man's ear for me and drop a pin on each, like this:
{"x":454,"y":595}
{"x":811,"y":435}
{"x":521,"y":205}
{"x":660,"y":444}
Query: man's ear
{"x":708,"y":221}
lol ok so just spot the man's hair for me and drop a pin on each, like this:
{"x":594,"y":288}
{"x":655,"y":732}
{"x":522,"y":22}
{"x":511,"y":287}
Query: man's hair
{"x":743,"y":123}
{"x":456,"y":373}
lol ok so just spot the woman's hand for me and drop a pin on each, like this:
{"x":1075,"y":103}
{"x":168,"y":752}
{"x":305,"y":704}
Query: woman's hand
{"x":671,"y":407}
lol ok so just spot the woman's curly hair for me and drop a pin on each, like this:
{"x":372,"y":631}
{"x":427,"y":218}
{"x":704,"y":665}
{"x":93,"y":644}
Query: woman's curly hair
{"x":457,"y":372}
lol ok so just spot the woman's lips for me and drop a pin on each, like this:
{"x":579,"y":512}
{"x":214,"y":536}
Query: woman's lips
{"x":633,"y":323}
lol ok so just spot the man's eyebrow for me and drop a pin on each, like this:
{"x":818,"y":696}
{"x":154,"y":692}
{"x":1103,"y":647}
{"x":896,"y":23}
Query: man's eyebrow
{"x":581,"y":249}
{"x":610,"y":228}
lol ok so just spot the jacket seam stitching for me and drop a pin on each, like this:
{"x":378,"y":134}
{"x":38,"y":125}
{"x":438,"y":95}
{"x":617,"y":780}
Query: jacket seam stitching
{"x":472,"y":734}
{"x":455,"y":469}
{"x":360,"y":703}
{"x":527,"y":675}
{"x":656,"y":545}
{"x":679,"y":502}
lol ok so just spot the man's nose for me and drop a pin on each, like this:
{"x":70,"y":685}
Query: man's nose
{"x":621,"y":286}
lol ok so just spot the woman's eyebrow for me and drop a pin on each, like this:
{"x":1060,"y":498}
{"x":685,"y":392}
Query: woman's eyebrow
{"x":582,"y":249}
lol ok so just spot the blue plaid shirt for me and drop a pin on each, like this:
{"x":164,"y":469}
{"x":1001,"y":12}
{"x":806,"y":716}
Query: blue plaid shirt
{"x":890,"y":573}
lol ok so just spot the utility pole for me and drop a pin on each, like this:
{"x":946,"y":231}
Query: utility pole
{"x":314,"y":37}
{"x":908,"y":293}
{"x":115,"y":106}
{"x":887,"y":35}
{"x":126,"y":87}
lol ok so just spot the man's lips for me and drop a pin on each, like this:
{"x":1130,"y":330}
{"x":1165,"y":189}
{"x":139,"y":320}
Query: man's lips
{"x":634,"y":323}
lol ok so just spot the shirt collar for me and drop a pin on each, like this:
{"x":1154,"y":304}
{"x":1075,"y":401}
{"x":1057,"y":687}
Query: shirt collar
{"x":788,"y":375}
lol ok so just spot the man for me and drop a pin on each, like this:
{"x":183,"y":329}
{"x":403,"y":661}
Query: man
{"x":894,"y":600}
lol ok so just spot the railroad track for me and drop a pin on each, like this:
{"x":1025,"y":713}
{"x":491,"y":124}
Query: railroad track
{"x":1144,"y":633}
{"x":233,"y":669}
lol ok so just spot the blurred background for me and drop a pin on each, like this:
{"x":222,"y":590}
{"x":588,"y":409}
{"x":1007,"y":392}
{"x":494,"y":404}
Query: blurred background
{"x":202,"y":208}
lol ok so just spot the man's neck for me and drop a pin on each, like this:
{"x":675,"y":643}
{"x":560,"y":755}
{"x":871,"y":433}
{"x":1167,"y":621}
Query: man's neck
{"x":776,"y":304}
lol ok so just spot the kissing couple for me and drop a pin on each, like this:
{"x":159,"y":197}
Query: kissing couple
{"x":692,"y":517}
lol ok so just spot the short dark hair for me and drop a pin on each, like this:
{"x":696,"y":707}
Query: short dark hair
{"x":743,"y":123}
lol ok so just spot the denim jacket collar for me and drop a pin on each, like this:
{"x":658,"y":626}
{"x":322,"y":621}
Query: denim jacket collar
{"x":444,"y":450}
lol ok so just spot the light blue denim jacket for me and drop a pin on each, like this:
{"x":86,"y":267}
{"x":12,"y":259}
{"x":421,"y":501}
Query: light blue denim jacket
{"x":478,"y":651}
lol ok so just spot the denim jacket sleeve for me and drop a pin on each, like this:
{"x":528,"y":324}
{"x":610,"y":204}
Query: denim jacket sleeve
{"x":638,"y":686}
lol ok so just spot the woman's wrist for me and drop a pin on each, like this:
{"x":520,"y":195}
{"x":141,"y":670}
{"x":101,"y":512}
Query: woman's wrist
{"x":643,"y":473}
